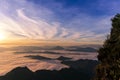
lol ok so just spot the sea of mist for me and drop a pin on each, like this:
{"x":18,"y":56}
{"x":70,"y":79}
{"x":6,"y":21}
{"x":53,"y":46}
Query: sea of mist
{"x":37,"y":57}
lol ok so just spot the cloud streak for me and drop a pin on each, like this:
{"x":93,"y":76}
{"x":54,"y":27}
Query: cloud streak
{"x":24,"y":19}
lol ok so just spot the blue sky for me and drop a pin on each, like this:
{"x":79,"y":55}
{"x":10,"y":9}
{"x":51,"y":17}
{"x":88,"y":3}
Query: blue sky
{"x":61,"y":20}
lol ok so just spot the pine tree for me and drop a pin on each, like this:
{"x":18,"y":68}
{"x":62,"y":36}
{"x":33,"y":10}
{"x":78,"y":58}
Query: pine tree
{"x":109,"y":54}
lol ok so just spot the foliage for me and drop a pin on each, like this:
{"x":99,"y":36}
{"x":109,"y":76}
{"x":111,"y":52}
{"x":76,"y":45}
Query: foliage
{"x":109,"y":54}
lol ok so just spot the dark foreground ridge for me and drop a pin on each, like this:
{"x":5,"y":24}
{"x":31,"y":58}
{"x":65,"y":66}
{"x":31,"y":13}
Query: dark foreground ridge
{"x":72,"y":73}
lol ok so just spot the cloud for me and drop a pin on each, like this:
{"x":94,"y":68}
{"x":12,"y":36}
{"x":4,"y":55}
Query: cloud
{"x":29,"y":28}
{"x":20,"y":20}
{"x":22,"y":15}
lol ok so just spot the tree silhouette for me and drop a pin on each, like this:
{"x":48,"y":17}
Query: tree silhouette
{"x":109,"y":54}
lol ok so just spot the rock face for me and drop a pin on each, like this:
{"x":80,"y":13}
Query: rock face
{"x":23,"y":73}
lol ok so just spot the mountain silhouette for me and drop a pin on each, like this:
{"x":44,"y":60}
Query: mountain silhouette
{"x":81,"y":49}
{"x":57,"y":48}
{"x":38,"y":57}
{"x":72,"y":73}
{"x":84,"y":66}
{"x":19,"y":73}
{"x":62,"y":58}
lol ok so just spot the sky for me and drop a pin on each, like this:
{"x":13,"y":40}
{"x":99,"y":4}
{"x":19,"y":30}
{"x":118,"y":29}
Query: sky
{"x":56,"y":21}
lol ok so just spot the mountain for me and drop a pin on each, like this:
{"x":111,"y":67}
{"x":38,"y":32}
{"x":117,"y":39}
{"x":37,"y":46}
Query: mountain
{"x":33,"y":49}
{"x":57,"y":48}
{"x":81,"y":49}
{"x":84,"y":66}
{"x":19,"y":73}
{"x":23,"y":73}
{"x":26,"y":48}
{"x":63,"y":58}
{"x":72,"y":73}
{"x":38,"y":57}
{"x":36,"y":52}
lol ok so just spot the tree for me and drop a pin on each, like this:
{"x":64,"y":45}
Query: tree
{"x":109,"y":54}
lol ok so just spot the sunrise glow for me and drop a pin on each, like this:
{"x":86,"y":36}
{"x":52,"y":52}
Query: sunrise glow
{"x":2,"y":36}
